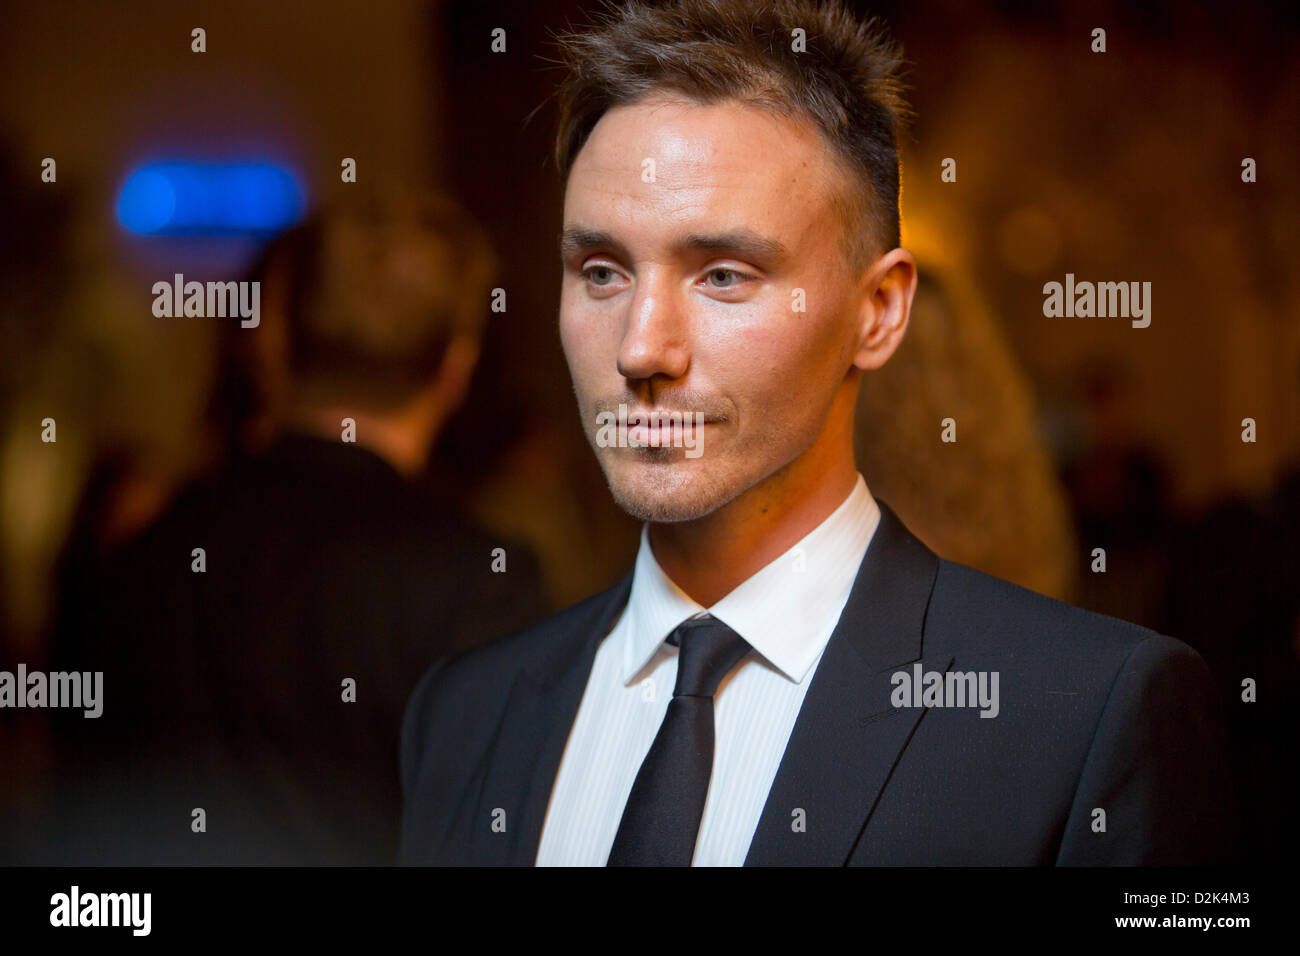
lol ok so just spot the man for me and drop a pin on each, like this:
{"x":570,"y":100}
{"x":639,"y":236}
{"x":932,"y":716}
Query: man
{"x":787,"y":676}
{"x":263,"y":679}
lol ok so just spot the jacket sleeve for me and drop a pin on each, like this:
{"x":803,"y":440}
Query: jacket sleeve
{"x":1157,"y":768}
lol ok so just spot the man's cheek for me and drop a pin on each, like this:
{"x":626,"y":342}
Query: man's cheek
{"x":580,"y":362}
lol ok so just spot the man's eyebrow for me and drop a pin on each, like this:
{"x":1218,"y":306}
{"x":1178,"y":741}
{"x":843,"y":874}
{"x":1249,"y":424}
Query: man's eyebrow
{"x":577,"y":239}
{"x":744,"y":243}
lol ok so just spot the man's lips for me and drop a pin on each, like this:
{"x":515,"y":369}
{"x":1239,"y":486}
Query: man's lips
{"x":665,"y":428}
{"x":660,"y":417}
{"x":658,"y":426}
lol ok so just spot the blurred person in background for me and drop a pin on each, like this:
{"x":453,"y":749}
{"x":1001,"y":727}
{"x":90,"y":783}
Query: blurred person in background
{"x":1232,"y":593}
{"x":263,"y":682}
{"x":991,"y":499}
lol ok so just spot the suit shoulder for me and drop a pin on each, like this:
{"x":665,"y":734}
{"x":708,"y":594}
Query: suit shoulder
{"x":460,"y":698}
{"x":486,"y":672}
{"x":532,"y":644}
{"x":999,"y":614}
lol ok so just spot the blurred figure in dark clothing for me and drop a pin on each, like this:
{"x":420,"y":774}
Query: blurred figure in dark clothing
{"x":262,"y":679}
{"x":1234,"y":595}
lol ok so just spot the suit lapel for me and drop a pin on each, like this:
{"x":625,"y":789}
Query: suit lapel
{"x":526,"y":754}
{"x":848,"y":736}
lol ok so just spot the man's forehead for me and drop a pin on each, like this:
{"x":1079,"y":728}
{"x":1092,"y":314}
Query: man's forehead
{"x":717,"y":145}
{"x":702,"y":170}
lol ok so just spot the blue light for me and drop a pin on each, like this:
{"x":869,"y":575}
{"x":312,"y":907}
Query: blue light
{"x":199,"y":199}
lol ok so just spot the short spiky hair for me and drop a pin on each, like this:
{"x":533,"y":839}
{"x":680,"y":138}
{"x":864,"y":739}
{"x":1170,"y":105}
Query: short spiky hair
{"x":845,"y":83}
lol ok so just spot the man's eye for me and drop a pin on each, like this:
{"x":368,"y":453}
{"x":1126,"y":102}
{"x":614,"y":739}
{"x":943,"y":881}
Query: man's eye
{"x":598,"y":275}
{"x":724,"y":275}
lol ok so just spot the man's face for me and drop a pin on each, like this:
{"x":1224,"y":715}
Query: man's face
{"x":693,"y":236}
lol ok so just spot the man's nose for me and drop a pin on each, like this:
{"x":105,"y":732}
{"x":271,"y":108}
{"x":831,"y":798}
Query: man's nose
{"x":654,"y":338}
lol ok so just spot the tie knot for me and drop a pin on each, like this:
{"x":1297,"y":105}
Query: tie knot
{"x":708,"y":651}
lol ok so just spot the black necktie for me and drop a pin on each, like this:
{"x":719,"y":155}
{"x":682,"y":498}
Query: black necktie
{"x":662,"y":816}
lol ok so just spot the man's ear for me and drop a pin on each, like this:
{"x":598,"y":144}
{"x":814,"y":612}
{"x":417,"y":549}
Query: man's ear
{"x":456,"y":370}
{"x":889,"y":285}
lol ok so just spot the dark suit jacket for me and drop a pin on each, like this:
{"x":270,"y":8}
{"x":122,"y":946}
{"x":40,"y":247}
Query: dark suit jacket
{"x":1095,"y":714}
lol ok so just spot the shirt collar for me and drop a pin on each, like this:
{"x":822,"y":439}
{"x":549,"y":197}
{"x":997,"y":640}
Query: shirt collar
{"x":779,"y":610}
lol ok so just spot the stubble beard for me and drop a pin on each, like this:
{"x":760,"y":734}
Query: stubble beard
{"x":661,"y":487}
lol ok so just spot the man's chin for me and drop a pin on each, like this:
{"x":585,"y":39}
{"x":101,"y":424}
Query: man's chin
{"x":666,"y":494}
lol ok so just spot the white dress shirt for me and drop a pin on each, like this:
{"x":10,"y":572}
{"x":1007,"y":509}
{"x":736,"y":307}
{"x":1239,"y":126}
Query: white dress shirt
{"x":786,"y":612}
